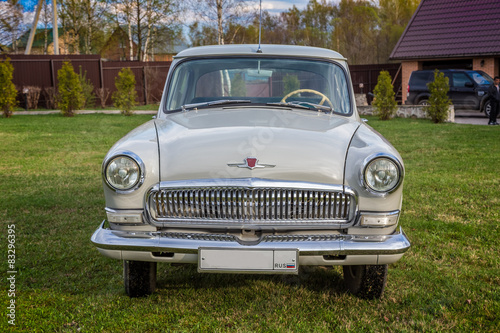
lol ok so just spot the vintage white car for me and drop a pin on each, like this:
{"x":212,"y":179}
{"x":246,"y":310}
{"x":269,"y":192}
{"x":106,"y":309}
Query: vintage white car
{"x":257,"y":162}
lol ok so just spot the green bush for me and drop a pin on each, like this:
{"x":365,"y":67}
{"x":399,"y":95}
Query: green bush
{"x":70,"y":90}
{"x":8,"y":92}
{"x":384,"y":103}
{"x":439,"y":101}
{"x":89,"y":97}
{"x":124,"y":98}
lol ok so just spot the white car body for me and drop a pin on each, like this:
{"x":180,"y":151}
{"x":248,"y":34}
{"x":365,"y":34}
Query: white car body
{"x":254,"y":185}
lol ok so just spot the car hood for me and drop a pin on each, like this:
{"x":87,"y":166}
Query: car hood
{"x":288,"y":145}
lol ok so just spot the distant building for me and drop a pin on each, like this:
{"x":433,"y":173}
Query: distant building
{"x":43,"y":42}
{"x":455,"y":34}
{"x":117,"y":46}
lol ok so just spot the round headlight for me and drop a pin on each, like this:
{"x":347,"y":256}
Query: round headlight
{"x":122,"y":173}
{"x":382,"y":175}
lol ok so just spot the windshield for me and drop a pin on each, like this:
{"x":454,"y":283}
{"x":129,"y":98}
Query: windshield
{"x":481,"y":77}
{"x":249,"y":81}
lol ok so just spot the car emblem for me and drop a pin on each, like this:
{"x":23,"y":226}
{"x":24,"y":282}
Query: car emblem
{"x":251,"y":163}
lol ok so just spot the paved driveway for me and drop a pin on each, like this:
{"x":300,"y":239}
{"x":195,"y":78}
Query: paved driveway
{"x":472,"y":117}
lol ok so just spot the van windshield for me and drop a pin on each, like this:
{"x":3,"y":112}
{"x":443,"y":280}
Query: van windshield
{"x":481,"y":77}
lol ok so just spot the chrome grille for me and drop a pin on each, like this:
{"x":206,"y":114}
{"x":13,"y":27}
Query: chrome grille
{"x":254,"y":205}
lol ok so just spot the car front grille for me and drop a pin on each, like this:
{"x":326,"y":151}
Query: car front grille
{"x":267,"y":206}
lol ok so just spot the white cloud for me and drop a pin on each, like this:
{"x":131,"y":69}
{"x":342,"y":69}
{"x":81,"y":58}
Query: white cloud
{"x":278,"y":6}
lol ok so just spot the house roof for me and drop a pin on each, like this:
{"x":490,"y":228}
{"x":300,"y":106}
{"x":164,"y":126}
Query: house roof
{"x":39,"y":39}
{"x":451,"y":28}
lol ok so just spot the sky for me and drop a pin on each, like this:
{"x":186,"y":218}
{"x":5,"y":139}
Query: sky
{"x":272,"y":6}
{"x":278,"y":6}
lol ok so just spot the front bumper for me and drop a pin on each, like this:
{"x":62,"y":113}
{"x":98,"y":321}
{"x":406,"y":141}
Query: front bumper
{"x":312,"y":249}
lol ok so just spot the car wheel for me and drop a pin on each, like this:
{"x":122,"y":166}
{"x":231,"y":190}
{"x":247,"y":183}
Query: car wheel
{"x":487,"y":108}
{"x":366,"y":281}
{"x":139,"y":278}
{"x":423,"y":102}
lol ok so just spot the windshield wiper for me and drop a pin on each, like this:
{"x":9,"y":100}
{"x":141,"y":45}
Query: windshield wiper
{"x":304,"y":105}
{"x":188,"y":107}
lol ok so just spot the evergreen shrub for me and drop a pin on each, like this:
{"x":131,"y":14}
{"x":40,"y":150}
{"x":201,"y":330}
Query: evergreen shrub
{"x":70,"y":90}
{"x":124,"y":98}
{"x":8,"y":92}
{"x":439,"y":101}
{"x":384,"y":104}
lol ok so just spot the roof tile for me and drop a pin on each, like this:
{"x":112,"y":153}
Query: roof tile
{"x":451,"y":28}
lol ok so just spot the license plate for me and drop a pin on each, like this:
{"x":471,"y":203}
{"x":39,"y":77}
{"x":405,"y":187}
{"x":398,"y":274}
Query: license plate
{"x":248,"y":261}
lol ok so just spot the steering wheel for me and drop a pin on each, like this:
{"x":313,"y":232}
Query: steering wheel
{"x":324,"y":98}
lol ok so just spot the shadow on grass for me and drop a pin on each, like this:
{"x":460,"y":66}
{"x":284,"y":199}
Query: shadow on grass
{"x":312,"y":278}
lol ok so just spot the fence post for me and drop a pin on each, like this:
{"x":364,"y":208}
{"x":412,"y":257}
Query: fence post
{"x":101,"y":74}
{"x":52,"y":74}
{"x":144,"y":86}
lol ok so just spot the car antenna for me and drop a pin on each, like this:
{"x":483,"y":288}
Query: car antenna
{"x":259,"y":50}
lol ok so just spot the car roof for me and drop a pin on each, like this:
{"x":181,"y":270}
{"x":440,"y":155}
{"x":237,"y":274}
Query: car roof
{"x":267,"y":49}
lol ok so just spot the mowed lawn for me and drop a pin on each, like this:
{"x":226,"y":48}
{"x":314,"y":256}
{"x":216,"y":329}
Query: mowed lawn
{"x":50,"y":189}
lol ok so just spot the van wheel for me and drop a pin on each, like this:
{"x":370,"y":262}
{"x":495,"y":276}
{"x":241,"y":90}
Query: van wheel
{"x":487,"y":109}
{"x":423,"y":102}
{"x":366,"y":281}
{"x":139,"y":278}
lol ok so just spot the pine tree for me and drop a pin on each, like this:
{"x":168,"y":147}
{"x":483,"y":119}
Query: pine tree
{"x":8,"y":92}
{"x":70,"y":90}
{"x":124,"y":98}
{"x":385,"y":105}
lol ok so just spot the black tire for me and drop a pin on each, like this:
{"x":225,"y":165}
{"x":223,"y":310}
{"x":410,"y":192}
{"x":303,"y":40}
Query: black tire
{"x":139,"y":278}
{"x":487,"y":109}
{"x":366,"y":281}
{"x":423,"y":102}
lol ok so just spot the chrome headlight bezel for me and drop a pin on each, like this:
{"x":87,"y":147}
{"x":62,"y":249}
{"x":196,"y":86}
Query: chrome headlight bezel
{"x":377,"y":158}
{"x":135,"y":160}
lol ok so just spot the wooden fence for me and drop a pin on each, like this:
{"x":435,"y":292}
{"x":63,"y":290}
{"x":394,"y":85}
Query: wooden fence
{"x":41,"y":71}
{"x":364,"y":78}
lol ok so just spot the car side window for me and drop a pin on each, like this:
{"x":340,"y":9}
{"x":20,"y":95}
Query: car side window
{"x":420,"y":78}
{"x":460,"y":80}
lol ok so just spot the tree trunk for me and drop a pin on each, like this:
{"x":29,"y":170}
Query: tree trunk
{"x":220,"y":34}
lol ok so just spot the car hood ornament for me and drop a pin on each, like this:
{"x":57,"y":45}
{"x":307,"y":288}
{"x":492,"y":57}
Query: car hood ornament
{"x":251,"y":163}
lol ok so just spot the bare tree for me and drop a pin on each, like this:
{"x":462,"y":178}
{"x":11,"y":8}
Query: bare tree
{"x":11,"y":27}
{"x":142,"y":18}
{"x":46,"y":20}
{"x":82,"y":20}
{"x":220,"y":14}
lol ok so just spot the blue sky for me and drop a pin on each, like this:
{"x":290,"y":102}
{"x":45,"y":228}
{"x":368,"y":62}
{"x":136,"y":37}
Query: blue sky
{"x":28,"y":4}
{"x":273,"y":6}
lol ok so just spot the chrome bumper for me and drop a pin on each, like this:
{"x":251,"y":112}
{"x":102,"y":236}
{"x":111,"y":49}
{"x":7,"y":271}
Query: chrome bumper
{"x":325,"y":245}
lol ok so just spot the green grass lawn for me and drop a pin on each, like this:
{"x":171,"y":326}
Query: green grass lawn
{"x":50,"y":189}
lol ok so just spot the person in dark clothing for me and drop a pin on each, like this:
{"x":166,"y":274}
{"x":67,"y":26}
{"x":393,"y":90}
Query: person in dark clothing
{"x":494,"y":92}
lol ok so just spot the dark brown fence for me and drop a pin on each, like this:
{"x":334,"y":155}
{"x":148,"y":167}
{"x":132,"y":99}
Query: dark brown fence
{"x":41,"y":71}
{"x":367,"y":75}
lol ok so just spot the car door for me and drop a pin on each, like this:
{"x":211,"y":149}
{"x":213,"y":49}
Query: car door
{"x":462,"y":91}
